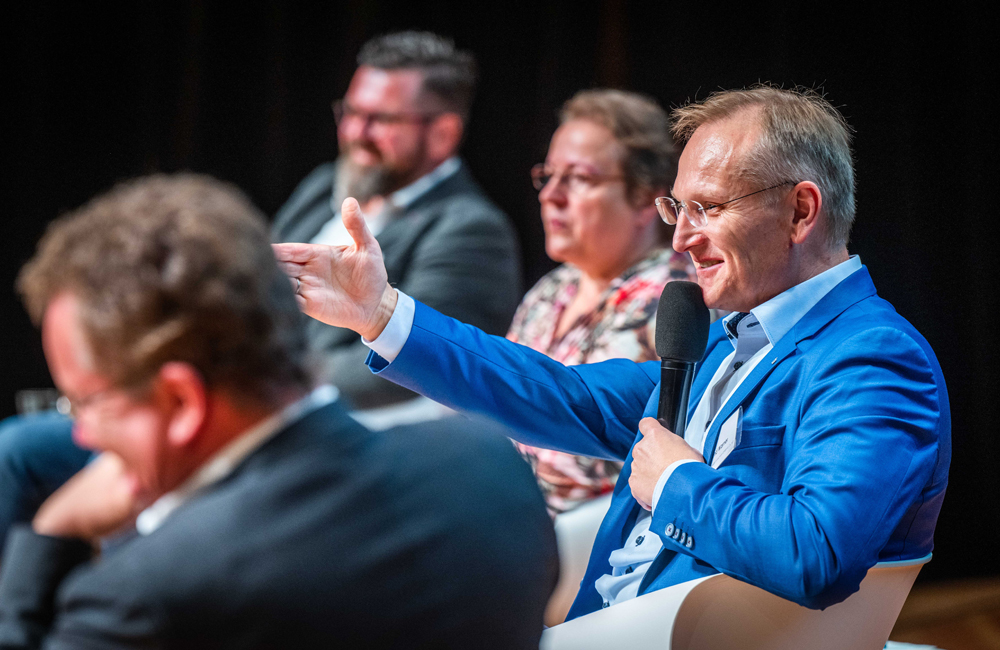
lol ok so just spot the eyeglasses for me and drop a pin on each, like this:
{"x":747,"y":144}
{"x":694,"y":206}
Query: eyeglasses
{"x":76,"y":408}
{"x":576,"y":181}
{"x":344,"y":111}
{"x":697,"y":213}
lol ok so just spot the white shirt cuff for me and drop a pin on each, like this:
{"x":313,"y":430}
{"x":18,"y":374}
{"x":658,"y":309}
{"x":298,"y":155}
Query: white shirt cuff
{"x":392,"y":339}
{"x":665,"y":476}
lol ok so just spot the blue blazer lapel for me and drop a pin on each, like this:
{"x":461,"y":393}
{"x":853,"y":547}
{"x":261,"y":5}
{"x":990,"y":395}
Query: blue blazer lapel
{"x":854,"y":288}
{"x":785,"y":347}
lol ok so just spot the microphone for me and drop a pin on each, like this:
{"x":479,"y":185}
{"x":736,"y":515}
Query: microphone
{"x":681,"y":337}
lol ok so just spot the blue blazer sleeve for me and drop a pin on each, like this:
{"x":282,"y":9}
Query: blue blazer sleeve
{"x":592,"y":410}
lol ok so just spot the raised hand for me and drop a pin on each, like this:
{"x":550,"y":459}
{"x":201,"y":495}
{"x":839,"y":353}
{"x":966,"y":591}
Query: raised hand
{"x":344,"y":286}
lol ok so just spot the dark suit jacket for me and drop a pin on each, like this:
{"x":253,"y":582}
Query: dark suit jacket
{"x":451,"y":249}
{"x":328,"y":536}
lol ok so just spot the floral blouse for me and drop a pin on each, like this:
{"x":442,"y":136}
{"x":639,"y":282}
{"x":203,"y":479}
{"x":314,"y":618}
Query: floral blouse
{"x":622,"y":326}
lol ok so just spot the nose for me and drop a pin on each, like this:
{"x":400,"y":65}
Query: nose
{"x":553,"y":191}
{"x":686,"y":235}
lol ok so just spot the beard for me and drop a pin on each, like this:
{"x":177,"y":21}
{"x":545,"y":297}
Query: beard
{"x":366,"y":182}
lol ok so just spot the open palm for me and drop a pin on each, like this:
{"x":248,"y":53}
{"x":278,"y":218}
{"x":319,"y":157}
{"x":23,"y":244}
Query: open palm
{"x":345,"y":286}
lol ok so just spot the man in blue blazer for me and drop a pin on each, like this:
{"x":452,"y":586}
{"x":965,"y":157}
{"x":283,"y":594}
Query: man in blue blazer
{"x":818,"y":441}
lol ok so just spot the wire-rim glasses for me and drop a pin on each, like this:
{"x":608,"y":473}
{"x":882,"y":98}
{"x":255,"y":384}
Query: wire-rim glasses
{"x":670,"y":209}
{"x":576,"y":181}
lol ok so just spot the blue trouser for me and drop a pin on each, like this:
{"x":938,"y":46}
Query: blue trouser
{"x":37,"y":455}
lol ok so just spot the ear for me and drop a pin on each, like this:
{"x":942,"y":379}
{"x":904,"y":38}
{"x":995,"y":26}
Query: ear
{"x":807,"y":201}
{"x":444,"y":135}
{"x":183,"y":387}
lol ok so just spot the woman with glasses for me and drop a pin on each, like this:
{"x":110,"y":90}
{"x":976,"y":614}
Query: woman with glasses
{"x":610,"y":157}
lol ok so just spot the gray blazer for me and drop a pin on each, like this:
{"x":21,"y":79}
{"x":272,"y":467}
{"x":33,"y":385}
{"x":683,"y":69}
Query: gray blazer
{"x":328,"y":536}
{"x":452,"y":249}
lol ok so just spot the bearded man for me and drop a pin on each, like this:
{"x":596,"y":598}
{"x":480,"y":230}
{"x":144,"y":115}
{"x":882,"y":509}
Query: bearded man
{"x":399,"y":126}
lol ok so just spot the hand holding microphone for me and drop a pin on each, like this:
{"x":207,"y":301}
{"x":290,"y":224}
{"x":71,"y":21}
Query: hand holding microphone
{"x":681,"y":336}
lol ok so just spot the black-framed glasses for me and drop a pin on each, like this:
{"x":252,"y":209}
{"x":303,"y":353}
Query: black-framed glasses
{"x":344,"y":111}
{"x":576,"y":181}
{"x":697,"y":213}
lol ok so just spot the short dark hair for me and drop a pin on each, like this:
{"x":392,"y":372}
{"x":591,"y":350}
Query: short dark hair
{"x":175,"y":268}
{"x":449,"y":73}
{"x":803,"y":137}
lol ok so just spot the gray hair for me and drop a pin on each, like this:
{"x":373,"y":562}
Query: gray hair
{"x":449,"y":73}
{"x":802,"y":137}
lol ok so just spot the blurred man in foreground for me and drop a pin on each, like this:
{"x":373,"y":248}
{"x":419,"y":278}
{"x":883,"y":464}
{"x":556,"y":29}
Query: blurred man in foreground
{"x":818,"y":441}
{"x":399,"y":126}
{"x":267,"y":517}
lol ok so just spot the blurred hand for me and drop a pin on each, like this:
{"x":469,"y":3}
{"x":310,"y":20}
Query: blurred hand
{"x":651,"y":456}
{"x":345,"y":286}
{"x":100,"y":499}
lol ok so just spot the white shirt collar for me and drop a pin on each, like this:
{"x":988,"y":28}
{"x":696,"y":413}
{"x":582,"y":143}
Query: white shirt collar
{"x":780,"y":314}
{"x":406,"y":196}
{"x":224,"y":461}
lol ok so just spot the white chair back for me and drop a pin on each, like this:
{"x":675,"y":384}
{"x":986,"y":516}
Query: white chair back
{"x":722,"y":613}
{"x":576,"y":531}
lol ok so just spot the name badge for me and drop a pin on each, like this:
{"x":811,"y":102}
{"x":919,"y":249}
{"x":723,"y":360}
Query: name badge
{"x":729,"y":438}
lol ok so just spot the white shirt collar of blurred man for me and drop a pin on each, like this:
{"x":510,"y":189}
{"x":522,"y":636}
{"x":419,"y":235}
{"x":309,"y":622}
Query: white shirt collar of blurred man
{"x":227,"y":459}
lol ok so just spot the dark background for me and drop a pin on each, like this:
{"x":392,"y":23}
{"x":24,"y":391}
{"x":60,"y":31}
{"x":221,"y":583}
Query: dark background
{"x":93,"y":95}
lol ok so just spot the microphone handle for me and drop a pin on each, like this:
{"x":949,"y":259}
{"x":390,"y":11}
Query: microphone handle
{"x":675,"y":388}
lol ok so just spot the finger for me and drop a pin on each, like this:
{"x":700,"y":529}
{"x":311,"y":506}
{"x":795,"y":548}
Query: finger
{"x":294,"y":253}
{"x":293,"y":271}
{"x":354,"y":222}
{"x":651,"y":426}
{"x":633,"y":486}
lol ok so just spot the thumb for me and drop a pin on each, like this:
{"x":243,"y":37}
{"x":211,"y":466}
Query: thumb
{"x":354,"y":222}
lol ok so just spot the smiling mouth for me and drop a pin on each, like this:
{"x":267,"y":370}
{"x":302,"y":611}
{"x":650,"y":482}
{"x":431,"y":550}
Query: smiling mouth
{"x":708,"y":263}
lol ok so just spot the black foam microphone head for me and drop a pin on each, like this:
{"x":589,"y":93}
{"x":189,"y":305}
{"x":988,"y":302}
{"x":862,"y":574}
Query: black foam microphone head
{"x":681,"y":322}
